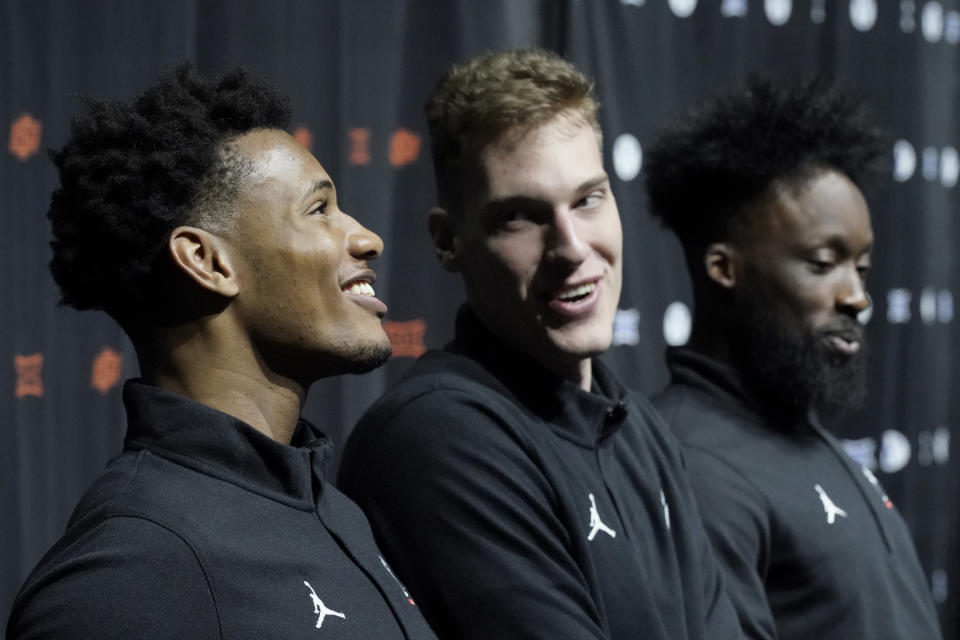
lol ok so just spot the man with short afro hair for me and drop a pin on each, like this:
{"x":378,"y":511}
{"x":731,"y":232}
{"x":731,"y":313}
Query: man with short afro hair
{"x":215,"y":240}
{"x":762,"y":185}
{"x":131,"y":172}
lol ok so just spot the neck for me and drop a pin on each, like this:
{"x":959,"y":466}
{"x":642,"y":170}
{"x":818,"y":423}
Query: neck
{"x":225,"y":375}
{"x":585,"y":375}
{"x":709,"y":339}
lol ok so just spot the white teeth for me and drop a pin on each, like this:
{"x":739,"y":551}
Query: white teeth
{"x":360,"y":288}
{"x":576,"y":292}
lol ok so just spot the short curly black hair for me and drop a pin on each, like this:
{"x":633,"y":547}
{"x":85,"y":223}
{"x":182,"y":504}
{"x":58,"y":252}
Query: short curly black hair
{"x":132,"y":171}
{"x":712,"y":162}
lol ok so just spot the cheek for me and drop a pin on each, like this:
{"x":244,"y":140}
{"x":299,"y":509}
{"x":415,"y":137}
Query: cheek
{"x":515,"y":257}
{"x":810,"y":306}
{"x":609,"y":242}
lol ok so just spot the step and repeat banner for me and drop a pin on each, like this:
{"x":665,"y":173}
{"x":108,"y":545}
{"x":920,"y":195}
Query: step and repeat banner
{"x":358,"y":72}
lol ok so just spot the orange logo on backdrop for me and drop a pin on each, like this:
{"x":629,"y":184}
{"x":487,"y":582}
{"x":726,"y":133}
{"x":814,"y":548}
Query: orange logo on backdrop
{"x":359,"y":146}
{"x":29,"y":370}
{"x":25,"y":136}
{"x":407,"y":337}
{"x":107,"y":367}
{"x":404,"y":147}
{"x":304,"y":137}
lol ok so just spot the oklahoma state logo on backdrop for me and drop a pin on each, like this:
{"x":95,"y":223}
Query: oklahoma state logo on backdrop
{"x":359,"y":146}
{"x":25,"y":136}
{"x":107,"y":367}
{"x":404,"y":148}
{"x":304,"y":137}
{"x":407,"y":337}
{"x":29,"y":375}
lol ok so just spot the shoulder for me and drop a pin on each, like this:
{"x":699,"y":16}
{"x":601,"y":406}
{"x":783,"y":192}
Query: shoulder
{"x":448,"y":419}
{"x":720,"y":447}
{"x":443,"y":398}
{"x":650,"y":418}
{"x":701,"y":421}
{"x":122,"y":576}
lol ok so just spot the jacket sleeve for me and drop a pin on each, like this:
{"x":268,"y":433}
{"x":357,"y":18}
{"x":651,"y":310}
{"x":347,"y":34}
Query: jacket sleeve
{"x":735,"y":517}
{"x":125,"y":578}
{"x":466,"y":517}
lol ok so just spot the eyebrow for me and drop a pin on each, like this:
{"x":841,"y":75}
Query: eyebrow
{"x":838,"y":242}
{"x":593,"y":183}
{"x":318,"y":185}
{"x":584,"y":186}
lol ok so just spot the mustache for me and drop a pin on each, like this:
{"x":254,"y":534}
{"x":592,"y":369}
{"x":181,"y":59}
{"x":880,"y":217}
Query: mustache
{"x":846,"y":328}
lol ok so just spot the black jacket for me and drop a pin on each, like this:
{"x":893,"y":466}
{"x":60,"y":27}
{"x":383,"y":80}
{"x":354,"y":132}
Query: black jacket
{"x":205,"y":528}
{"x":533,"y":509}
{"x":810,"y":545}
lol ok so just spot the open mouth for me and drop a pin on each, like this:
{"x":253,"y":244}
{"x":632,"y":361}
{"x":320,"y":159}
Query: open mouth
{"x":578,"y":293}
{"x":360,"y":288}
{"x":576,"y":301}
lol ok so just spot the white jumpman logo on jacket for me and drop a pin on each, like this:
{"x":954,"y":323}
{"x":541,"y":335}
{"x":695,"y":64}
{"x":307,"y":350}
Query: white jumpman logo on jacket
{"x":831,"y":509}
{"x":320,"y":608}
{"x":597,"y":524}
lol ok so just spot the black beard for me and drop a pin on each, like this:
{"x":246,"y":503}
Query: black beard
{"x":789,"y":368}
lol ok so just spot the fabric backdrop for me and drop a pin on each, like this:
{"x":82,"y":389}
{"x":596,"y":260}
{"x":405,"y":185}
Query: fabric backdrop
{"x":358,"y":72}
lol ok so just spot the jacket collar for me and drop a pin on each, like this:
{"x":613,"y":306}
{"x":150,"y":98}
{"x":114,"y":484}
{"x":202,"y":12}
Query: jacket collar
{"x":217,"y":444}
{"x":724,"y":386}
{"x":572,"y":412}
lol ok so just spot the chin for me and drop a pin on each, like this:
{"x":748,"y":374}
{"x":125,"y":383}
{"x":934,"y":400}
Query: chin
{"x":368,"y":357}
{"x":583,"y":344}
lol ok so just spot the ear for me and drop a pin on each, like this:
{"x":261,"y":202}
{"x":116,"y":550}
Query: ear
{"x":445,"y":242}
{"x":721,"y":260}
{"x":202,"y":257}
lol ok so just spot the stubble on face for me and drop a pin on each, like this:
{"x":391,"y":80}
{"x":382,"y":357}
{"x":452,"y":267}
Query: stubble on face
{"x":356,"y":357}
{"x":296,"y":247}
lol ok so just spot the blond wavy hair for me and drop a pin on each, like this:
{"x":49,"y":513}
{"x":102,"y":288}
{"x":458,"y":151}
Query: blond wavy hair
{"x":498,"y":94}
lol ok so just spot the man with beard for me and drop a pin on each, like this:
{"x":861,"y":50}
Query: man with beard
{"x":541,"y":498}
{"x":216,"y":241}
{"x":761,"y":187}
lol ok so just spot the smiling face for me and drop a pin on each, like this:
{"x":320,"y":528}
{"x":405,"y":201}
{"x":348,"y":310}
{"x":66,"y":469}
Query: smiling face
{"x":540,"y":248}
{"x":805,"y":257}
{"x":306,"y":302}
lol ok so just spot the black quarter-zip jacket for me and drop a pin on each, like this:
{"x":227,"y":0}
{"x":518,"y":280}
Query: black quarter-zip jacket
{"x":516,"y":505}
{"x":810,"y":545}
{"x":205,"y":528}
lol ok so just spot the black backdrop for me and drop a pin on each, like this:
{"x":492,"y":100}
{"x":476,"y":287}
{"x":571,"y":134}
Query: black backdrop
{"x":358,"y":71}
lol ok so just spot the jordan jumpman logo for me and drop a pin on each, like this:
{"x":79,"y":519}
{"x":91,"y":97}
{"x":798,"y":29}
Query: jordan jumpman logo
{"x":320,"y":608}
{"x":831,"y":509}
{"x":596,"y":523}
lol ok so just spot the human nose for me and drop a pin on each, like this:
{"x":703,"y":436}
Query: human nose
{"x":362,"y":243}
{"x":852,"y":293}
{"x":567,"y":242}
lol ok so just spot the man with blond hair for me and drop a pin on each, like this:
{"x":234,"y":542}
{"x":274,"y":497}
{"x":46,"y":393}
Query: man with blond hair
{"x":513,"y":482}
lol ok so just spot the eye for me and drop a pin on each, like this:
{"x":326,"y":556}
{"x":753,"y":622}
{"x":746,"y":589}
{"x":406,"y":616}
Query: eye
{"x":822,"y":260}
{"x":592,"y":199}
{"x":320,"y":207}
{"x":819,"y":265}
{"x":512,"y":219}
{"x":863,"y":269}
